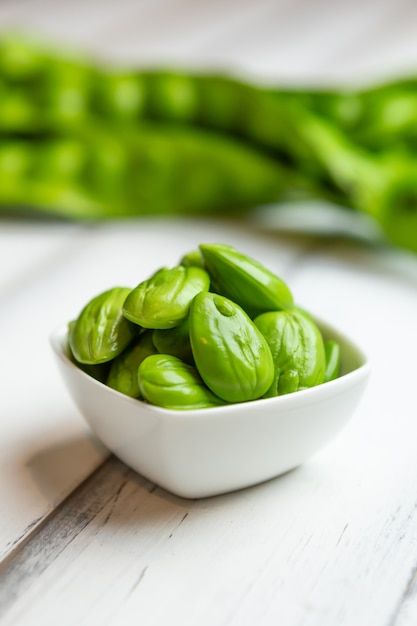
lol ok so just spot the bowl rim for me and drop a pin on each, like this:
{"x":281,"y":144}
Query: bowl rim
{"x":313,"y":395}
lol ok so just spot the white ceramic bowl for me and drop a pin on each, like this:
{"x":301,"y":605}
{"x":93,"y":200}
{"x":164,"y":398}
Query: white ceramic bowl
{"x":206,"y":452}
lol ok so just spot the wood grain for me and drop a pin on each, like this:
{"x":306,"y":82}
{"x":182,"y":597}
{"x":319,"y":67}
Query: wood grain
{"x":332,"y":543}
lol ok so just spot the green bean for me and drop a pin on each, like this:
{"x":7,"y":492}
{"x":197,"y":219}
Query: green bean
{"x":175,"y":341}
{"x":297,"y":350}
{"x":163,"y":301}
{"x":231,"y":354}
{"x":193,"y":258}
{"x":333,"y":360}
{"x":123,"y":374}
{"x":244,"y":280}
{"x":101,"y":332}
{"x":164,"y":380}
{"x":99,"y":371}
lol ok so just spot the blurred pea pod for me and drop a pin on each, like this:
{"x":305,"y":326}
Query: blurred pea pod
{"x":164,"y":380}
{"x":47,"y":179}
{"x":170,"y":95}
{"x":163,"y":301}
{"x":383,"y":186}
{"x":101,"y":332}
{"x":155,"y":170}
{"x":297,"y":349}
{"x":123,"y":374}
{"x":17,"y":113}
{"x":23,"y":59}
{"x":244,"y":280}
{"x":377,"y":117}
{"x":66,"y":97}
{"x":118,"y":96}
{"x":259,"y":145}
{"x":230,"y":353}
{"x":15,"y":165}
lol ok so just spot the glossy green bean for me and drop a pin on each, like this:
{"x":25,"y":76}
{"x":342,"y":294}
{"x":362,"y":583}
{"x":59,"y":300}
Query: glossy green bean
{"x":333,"y":360}
{"x":101,"y":332}
{"x":163,"y":300}
{"x":175,"y":341}
{"x":244,"y":280}
{"x":297,"y":350}
{"x":231,"y":354}
{"x":164,"y":380}
{"x":123,"y":373}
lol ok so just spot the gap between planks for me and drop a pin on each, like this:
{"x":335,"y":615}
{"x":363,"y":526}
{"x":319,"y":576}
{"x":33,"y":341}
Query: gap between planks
{"x":46,"y":542}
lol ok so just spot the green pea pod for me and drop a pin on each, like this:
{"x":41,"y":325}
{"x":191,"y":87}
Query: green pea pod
{"x":223,"y":102}
{"x":151,"y":169}
{"x":101,"y":332}
{"x":175,"y":341}
{"x":62,"y":159}
{"x":17,"y":113}
{"x":119,"y":96}
{"x":21,"y":59}
{"x":333,"y":359}
{"x":164,"y":380}
{"x":15,"y":164}
{"x":170,"y":96}
{"x":163,"y":301}
{"x":107,"y":172}
{"x":67,"y":93}
{"x":123,"y":374}
{"x":230,"y":353}
{"x":297,"y":349}
{"x":245,"y":281}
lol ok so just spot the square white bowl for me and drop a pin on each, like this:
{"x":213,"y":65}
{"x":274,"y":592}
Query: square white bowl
{"x":207,"y":452}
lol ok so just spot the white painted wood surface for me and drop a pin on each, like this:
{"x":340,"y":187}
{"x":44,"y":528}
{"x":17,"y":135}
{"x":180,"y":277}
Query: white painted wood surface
{"x":333,"y":542}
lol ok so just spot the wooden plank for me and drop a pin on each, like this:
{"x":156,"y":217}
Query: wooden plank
{"x":329,"y":543}
{"x":27,"y":248}
{"x":44,"y":452}
{"x":38,"y":551}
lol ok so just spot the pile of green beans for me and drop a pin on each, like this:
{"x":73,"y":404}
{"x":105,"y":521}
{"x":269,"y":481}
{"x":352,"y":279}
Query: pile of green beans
{"x":133,"y":142}
{"x":215,"y":329}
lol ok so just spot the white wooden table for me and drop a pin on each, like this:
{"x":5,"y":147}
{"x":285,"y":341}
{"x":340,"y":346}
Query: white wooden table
{"x":84,"y":540}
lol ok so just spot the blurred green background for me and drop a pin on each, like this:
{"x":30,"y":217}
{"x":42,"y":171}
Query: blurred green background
{"x":85,"y":135}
